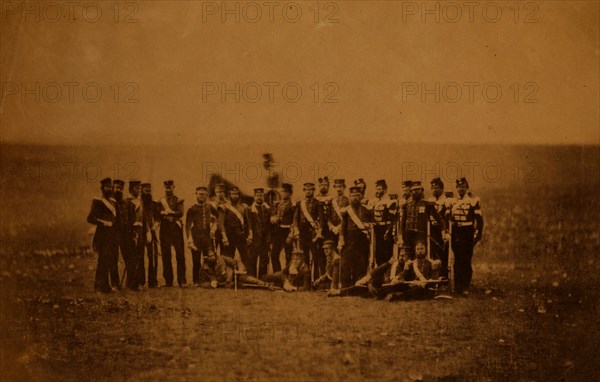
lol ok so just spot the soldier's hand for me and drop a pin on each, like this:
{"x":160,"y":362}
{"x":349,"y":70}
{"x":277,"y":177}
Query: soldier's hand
{"x":288,"y":240}
{"x":212,"y":234}
{"x":249,"y":240}
{"x":148,"y":237}
{"x":225,"y":242}
{"x":316,"y":283}
{"x":191,"y":245}
{"x":340,"y":246}
{"x":274,"y":220}
{"x":446,"y":237}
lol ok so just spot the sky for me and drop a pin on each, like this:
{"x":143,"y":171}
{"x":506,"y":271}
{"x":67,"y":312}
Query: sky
{"x":193,"y":72}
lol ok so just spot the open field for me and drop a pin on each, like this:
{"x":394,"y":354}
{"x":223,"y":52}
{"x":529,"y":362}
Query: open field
{"x":532,"y":315}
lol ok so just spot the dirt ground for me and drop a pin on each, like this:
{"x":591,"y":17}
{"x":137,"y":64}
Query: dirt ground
{"x":516,"y":325}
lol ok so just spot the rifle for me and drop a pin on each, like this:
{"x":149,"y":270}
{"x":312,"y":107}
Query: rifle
{"x":450,"y":260}
{"x":372,"y":247}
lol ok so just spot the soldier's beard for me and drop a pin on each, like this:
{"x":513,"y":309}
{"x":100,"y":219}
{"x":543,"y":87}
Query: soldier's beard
{"x":118,"y":195}
{"x":107,"y":194}
{"x":147,"y":198}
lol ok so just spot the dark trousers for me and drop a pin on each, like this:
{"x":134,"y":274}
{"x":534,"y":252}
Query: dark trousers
{"x":172,"y":236}
{"x":355,"y":258}
{"x":203,"y":243}
{"x":152,"y":254}
{"x":114,"y":261}
{"x":135,"y":263}
{"x":462,"y":245}
{"x":383,"y":247}
{"x":258,"y":256}
{"x":279,"y":242}
{"x":439,"y":249}
{"x":236,"y":241}
{"x":310,"y":248}
{"x":106,"y":253}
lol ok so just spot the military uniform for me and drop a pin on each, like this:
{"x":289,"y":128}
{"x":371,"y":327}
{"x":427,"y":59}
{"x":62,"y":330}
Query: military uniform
{"x":415,"y":219}
{"x":260,"y":215}
{"x":467,"y":229}
{"x":150,"y":238}
{"x":103,"y":214}
{"x":200,"y":226}
{"x":122,"y":233}
{"x":282,"y":218}
{"x":171,"y":234}
{"x":307,"y":229}
{"x":439,"y":248}
{"x":136,"y":239}
{"x":384,"y":213}
{"x":236,"y":230}
{"x":356,"y":243}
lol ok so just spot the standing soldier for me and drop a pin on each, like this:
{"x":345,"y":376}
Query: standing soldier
{"x":415,"y":219}
{"x":354,"y":240}
{"x":219,"y":204}
{"x":260,"y":214}
{"x":338,"y":205}
{"x":103,"y":214}
{"x":362,"y":185}
{"x":384,"y":214}
{"x":236,"y":227}
{"x":282,"y":218}
{"x":149,"y":238}
{"x":136,"y":235}
{"x":199,"y":222}
{"x":324,"y":200}
{"x":467,"y":228}
{"x":171,"y":234}
{"x":121,"y":225}
{"x":307,"y":229}
{"x":439,"y":248}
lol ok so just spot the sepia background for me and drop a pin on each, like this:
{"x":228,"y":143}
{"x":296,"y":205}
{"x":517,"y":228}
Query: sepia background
{"x":505,"y":93}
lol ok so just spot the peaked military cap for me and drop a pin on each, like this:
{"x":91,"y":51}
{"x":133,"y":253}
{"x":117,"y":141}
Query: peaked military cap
{"x":106,"y":182}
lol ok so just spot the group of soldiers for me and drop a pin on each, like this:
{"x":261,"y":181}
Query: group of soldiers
{"x":344,"y":243}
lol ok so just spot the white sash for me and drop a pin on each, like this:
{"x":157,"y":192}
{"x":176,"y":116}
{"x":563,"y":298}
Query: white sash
{"x":418,"y":272}
{"x":109,"y":205}
{"x":304,"y":209}
{"x":356,"y":220}
{"x":236,"y":212}
{"x":167,"y":208}
{"x":336,"y":207}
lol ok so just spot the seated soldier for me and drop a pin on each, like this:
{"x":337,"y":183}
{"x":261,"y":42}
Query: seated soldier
{"x":295,"y":276}
{"x":219,"y":271}
{"x":331,"y":278}
{"x":418,"y":275}
{"x":386,"y":278}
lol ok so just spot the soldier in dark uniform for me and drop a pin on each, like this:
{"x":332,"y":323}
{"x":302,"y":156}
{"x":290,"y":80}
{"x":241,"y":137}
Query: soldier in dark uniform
{"x":220,"y":204}
{"x":171,"y":234}
{"x":331,"y":278}
{"x":282,"y":218}
{"x":103,"y":214}
{"x":439,"y":248}
{"x":122,"y":228}
{"x":324,"y":200}
{"x":200,"y":228}
{"x":337,"y":206}
{"x":354,"y":242}
{"x":219,"y":271}
{"x":260,"y":225}
{"x":416,"y":214}
{"x":150,"y":237}
{"x":362,"y":185}
{"x":384,"y":214}
{"x":236,"y":227}
{"x":136,"y":236}
{"x":467,"y":229}
{"x":295,"y":276}
{"x":307,"y":229}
